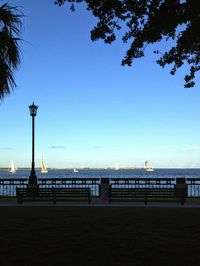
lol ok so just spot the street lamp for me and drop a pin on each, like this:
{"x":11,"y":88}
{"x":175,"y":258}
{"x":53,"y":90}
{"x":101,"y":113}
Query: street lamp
{"x":33,"y":178}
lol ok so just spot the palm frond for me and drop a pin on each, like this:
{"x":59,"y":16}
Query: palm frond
{"x":10,"y":30}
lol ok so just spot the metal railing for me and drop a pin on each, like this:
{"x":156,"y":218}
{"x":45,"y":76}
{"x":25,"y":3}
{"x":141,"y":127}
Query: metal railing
{"x":8,"y":186}
{"x":92,"y":183}
{"x":193,"y":187}
{"x":192,"y":184}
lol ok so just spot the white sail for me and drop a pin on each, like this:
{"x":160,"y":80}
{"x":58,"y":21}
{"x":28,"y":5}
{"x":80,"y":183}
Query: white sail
{"x":116,"y":167}
{"x":12,"y":168}
{"x":43,"y":168}
{"x":75,"y":171}
{"x":147,"y":168}
{"x":145,"y":165}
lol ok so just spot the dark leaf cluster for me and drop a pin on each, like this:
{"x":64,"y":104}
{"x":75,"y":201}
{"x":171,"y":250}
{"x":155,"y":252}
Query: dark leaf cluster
{"x":150,"y":21}
{"x":10,"y":26}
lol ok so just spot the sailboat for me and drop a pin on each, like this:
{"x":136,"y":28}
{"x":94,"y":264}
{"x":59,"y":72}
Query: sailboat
{"x":147,"y":168}
{"x":43,"y":168}
{"x":116,"y":167}
{"x":12,"y":168}
{"x":75,"y":171}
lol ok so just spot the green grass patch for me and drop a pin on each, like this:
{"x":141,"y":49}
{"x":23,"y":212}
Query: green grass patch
{"x":99,"y":236}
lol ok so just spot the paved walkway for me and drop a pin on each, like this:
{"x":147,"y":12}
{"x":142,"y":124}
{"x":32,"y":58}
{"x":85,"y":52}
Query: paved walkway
{"x":190,"y":204}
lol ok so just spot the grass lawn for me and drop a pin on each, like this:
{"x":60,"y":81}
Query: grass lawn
{"x":99,"y":236}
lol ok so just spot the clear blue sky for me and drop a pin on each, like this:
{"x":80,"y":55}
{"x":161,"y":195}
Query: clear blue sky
{"x":92,"y":111}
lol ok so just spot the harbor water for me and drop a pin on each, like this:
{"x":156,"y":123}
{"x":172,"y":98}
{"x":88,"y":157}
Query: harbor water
{"x":98,"y":173}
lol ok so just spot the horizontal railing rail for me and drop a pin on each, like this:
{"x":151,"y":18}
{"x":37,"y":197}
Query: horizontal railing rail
{"x":143,"y":182}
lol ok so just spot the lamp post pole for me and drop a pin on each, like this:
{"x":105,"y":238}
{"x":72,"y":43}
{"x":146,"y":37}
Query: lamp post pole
{"x":33,"y":178}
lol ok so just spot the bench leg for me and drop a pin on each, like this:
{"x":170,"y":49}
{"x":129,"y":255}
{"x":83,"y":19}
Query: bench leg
{"x":19,"y":200}
{"x":182,"y":201}
{"x":54,"y":198}
{"x":145,"y":199}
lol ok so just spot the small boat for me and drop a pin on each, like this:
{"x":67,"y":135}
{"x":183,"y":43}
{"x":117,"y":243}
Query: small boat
{"x":75,"y":171}
{"x":44,"y":169}
{"x":12,"y":168}
{"x":147,"y":168}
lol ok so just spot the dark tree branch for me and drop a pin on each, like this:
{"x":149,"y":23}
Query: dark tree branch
{"x":147,"y":22}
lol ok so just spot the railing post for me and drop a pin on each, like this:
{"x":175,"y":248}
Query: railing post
{"x":181,"y":189}
{"x":104,"y":189}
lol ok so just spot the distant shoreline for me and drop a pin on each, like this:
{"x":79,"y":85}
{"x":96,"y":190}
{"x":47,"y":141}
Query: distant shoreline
{"x":71,"y":168}
{"x":95,"y":168}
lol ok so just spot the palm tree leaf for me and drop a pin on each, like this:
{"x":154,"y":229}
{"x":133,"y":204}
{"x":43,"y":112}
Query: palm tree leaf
{"x":10,"y":30}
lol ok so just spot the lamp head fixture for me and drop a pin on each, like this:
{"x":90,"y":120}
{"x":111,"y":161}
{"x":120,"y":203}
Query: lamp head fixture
{"x":33,"y":109}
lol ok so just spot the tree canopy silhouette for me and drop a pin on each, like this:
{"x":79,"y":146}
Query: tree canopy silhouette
{"x":145,"y":22}
{"x":10,"y":25}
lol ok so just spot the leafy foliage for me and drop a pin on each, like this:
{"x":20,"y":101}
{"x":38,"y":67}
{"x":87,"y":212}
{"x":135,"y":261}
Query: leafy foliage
{"x":10,"y":25}
{"x":150,"y":21}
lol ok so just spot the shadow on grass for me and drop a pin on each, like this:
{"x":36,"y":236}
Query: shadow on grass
{"x":99,"y":236}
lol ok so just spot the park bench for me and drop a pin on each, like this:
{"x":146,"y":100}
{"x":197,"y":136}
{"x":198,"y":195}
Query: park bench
{"x":53,"y":194}
{"x":147,"y":194}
